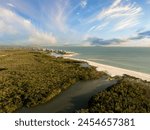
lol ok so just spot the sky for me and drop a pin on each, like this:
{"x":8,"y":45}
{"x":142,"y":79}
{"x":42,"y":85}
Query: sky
{"x":75,"y":22}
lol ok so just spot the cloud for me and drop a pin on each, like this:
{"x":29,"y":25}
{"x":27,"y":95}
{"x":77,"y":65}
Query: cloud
{"x":14,"y":28}
{"x":51,"y":14}
{"x":59,"y":15}
{"x":145,"y":34}
{"x":119,"y":9}
{"x":11,"y":5}
{"x":83,"y":3}
{"x":141,"y":35}
{"x":130,"y":42}
{"x":125,"y":14}
{"x":135,"y":38}
{"x":42,"y":38}
{"x":60,"y":21}
{"x":98,"y":41}
{"x":144,"y":42}
{"x":98,"y":27}
{"x":126,"y":23}
{"x":142,"y":39}
{"x":91,"y":29}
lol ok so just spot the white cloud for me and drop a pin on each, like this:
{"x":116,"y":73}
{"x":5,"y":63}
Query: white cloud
{"x":126,"y":23}
{"x":59,"y":15}
{"x":120,"y":9}
{"x":42,"y":38}
{"x":125,"y":13}
{"x":115,"y":3}
{"x":54,"y":14}
{"x":145,"y":42}
{"x":101,"y":26}
{"x":11,"y":5}
{"x":91,"y":29}
{"x":22,"y":30}
{"x":98,"y":27}
{"x":83,"y":3}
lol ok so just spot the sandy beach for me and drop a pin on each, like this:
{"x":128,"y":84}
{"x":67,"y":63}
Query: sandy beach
{"x":114,"y":71}
{"x":70,"y":54}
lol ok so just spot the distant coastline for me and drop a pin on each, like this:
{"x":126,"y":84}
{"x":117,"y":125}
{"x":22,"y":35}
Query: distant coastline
{"x":136,"y":59}
{"x":111,"y":70}
{"x":115,"y":71}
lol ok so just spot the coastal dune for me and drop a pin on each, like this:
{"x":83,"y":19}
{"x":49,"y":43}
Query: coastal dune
{"x":115,"y":71}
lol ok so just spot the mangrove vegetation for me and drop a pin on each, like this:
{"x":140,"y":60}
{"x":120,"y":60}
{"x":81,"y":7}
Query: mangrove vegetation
{"x":129,"y":95}
{"x":29,"y":78}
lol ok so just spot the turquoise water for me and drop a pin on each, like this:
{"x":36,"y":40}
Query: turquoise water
{"x":131,"y":58}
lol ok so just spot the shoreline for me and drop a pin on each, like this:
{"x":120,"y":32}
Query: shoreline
{"x":70,"y":54}
{"x":67,"y":55}
{"x":115,"y":71}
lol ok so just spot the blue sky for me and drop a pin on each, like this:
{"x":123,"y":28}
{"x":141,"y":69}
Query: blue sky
{"x":71,"y":22}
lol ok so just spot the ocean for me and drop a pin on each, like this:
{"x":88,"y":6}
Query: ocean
{"x":132,"y":58}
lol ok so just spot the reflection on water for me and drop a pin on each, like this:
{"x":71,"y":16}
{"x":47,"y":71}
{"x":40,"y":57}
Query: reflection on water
{"x":74,"y":98}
